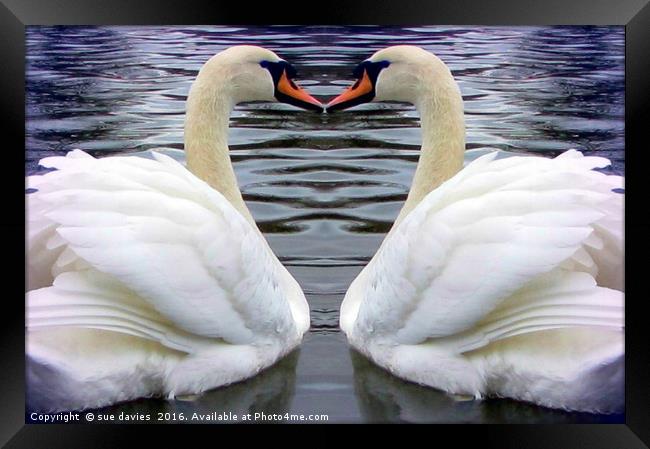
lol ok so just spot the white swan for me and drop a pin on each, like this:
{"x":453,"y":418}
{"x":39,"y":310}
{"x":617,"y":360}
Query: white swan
{"x":500,"y":279}
{"x":147,"y":279}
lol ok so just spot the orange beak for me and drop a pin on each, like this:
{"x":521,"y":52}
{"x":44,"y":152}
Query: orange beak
{"x":352,"y":95}
{"x":301,"y":98}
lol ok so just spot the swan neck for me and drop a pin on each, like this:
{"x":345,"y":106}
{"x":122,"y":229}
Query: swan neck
{"x":209,"y":105}
{"x":443,"y":139}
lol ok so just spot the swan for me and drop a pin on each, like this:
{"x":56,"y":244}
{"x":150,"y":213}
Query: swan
{"x":149,"y":279}
{"x":502,"y":279}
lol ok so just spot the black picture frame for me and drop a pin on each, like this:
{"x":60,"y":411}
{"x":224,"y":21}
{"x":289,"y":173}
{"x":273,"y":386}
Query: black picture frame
{"x":633,"y":14}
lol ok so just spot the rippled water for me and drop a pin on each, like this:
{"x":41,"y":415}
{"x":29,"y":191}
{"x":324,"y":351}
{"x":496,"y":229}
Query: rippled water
{"x":325,"y":189}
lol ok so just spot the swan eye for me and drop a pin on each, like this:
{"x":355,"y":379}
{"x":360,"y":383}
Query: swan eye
{"x":274,"y":68}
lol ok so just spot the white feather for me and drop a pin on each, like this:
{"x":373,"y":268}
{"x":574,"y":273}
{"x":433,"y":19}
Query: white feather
{"x":505,"y":259}
{"x":484,"y":258}
{"x":156,"y":254}
{"x":146,"y":278}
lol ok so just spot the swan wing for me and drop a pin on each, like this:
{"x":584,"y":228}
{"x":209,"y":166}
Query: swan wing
{"x":191,"y":263}
{"x":90,"y":299}
{"x":457,"y":264}
{"x":47,"y":253}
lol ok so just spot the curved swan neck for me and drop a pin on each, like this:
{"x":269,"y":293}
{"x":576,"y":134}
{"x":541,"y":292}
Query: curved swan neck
{"x":209,"y":105}
{"x":440,"y":105}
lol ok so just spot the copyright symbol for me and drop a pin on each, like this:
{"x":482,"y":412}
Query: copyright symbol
{"x":90,"y":417}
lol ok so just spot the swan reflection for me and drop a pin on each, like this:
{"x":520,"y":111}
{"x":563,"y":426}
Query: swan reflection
{"x":384,"y":398}
{"x":270,"y":392}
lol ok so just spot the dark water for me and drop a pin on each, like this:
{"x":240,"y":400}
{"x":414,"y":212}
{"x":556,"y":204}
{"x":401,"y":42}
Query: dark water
{"x":326,"y":189}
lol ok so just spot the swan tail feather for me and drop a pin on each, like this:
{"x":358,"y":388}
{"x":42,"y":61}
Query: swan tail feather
{"x":560,"y":299}
{"x":93,"y":300}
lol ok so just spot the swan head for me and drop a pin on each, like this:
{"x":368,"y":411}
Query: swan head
{"x":251,"y":73}
{"x":404,"y":73}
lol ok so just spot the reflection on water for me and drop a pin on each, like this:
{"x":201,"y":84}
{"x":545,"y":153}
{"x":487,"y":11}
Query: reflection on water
{"x":383,"y":398}
{"x":325,"y":189}
{"x":270,"y":392}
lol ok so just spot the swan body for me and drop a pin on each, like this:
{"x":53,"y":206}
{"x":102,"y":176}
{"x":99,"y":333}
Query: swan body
{"x":146,"y":278}
{"x":501,"y":279}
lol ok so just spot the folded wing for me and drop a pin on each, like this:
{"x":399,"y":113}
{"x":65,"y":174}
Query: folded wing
{"x":465,"y":261}
{"x":187,"y":265}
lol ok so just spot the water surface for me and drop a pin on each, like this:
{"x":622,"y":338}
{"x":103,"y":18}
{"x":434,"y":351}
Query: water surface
{"x":325,"y":189}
